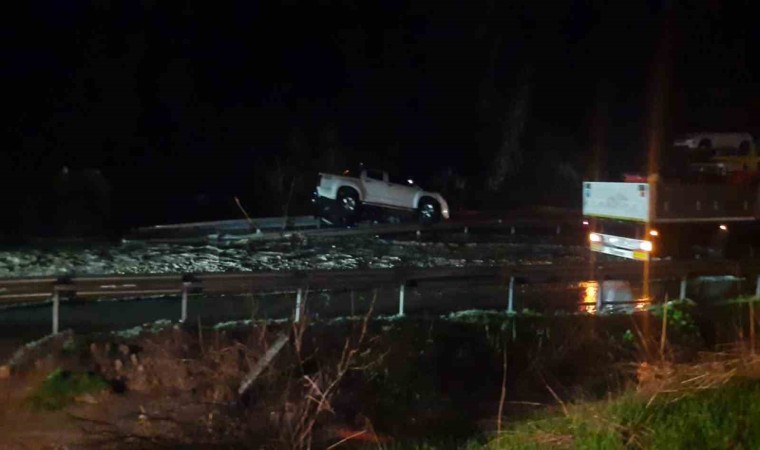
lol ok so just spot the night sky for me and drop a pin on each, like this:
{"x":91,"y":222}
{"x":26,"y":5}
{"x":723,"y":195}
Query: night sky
{"x":183,"y":105}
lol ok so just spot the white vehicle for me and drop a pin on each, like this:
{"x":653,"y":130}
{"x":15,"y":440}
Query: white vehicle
{"x":719,"y":153}
{"x":342,"y":198}
{"x":741,"y":142}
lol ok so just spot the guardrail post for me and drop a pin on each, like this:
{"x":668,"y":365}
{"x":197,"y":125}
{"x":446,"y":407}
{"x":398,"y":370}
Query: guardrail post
{"x":56,"y":303}
{"x":466,"y":230}
{"x":401,"y":299}
{"x":299,"y":299}
{"x":510,"y":304}
{"x":512,"y":230}
{"x":682,"y":292}
{"x":559,"y":229}
{"x":185,"y":288}
{"x":757,"y":287}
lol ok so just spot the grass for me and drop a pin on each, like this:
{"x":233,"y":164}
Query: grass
{"x":706,"y":406}
{"x":716,"y":418}
{"x":61,"y":388}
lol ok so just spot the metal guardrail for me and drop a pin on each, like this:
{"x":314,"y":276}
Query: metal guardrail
{"x":274,"y":227}
{"x":31,"y":290}
{"x":263,"y":223}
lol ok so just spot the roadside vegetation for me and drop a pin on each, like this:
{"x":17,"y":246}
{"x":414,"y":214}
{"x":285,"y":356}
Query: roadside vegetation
{"x":61,"y":388}
{"x":713,"y":408}
{"x":676,"y":376}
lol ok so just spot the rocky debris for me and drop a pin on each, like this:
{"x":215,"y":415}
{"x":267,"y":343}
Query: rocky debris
{"x":325,"y":254}
{"x":32,"y":351}
{"x":86,"y":398}
{"x":151,"y":327}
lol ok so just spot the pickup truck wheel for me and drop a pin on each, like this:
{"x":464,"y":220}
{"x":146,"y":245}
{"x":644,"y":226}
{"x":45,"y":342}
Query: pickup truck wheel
{"x":348,"y":202}
{"x":429,"y":211}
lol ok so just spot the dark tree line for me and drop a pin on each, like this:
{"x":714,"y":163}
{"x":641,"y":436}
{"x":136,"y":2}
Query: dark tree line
{"x":181,"y":108}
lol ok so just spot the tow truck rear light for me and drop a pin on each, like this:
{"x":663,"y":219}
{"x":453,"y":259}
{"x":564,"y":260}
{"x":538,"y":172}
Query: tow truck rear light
{"x":654,"y":233}
{"x":646,"y":246}
{"x":593,"y":237}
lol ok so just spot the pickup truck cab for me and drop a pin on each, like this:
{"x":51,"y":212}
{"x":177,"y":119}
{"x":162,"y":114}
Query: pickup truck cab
{"x":343,"y":198}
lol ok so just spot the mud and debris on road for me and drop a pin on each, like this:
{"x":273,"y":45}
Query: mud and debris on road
{"x":333,"y":253}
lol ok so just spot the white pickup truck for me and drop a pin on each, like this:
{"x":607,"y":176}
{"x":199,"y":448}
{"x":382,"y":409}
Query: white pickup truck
{"x":342,"y":198}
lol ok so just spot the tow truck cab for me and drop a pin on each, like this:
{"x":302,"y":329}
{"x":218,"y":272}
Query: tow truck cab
{"x":640,"y":221}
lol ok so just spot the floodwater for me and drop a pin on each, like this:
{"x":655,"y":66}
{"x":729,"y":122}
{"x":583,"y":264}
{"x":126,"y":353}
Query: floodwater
{"x":26,"y":323}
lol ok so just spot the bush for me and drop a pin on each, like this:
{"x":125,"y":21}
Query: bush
{"x":61,"y":387}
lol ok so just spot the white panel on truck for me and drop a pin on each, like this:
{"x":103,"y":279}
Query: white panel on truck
{"x":624,"y":201}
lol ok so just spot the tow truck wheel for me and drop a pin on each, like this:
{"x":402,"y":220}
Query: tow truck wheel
{"x":429,"y":211}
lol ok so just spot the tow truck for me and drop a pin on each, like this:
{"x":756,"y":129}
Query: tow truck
{"x":678,"y":215}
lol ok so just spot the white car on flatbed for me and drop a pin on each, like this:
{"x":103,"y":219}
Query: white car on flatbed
{"x":343,"y":198}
